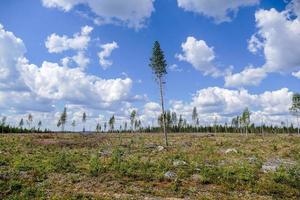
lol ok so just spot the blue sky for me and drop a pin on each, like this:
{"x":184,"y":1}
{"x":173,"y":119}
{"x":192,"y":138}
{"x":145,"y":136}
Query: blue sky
{"x":219,"y":40}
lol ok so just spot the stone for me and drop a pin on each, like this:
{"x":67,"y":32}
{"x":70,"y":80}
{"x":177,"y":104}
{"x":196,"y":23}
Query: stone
{"x":170,"y":175}
{"x":177,"y":163}
{"x":272,"y":165}
{"x":197,"y":177}
{"x":252,"y":159}
{"x":160,"y":148}
{"x":231,"y":150}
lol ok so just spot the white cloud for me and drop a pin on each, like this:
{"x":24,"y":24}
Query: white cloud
{"x":29,"y":88}
{"x":73,"y":85}
{"x":105,"y":53}
{"x":24,"y":101}
{"x":224,"y":104}
{"x":249,"y":76}
{"x":133,"y":13}
{"x":175,"y":68}
{"x":79,"y":59}
{"x":79,"y":41}
{"x":199,"y":55}
{"x":219,"y":10}
{"x":278,"y":37}
{"x":11,"y":48}
{"x":150,"y":113}
{"x":296,"y":74}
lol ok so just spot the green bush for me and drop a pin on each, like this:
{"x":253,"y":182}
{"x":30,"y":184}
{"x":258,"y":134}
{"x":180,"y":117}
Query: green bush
{"x":63,"y":162}
{"x":95,"y":166}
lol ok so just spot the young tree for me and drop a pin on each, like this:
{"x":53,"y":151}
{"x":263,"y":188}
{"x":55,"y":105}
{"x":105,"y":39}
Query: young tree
{"x":105,"y":126}
{"x":73,"y":124}
{"x":58,"y":123}
{"x":29,"y":120}
{"x":83,"y":121}
{"x":135,"y":125}
{"x":180,"y":121}
{"x":63,"y":119}
{"x":132,"y":119}
{"x":158,"y":65}
{"x":174,"y":118}
{"x":295,"y":108}
{"x":125,"y":126}
{"x":39,"y":125}
{"x":21,"y":123}
{"x":246,"y":119}
{"x":3,"y":122}
{"x":195,"y":115}
{"x":98,"y":128}
{"x":111,"y":123}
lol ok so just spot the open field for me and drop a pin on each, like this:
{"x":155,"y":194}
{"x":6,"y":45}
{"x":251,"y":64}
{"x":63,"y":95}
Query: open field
{"x":135,"y":166}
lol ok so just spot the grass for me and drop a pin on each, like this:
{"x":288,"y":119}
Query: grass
{"x":130,"y":166}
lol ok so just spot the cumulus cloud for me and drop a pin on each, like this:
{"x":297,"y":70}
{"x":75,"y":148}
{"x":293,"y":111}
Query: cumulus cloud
{"x":79,"y":41}
{"x":73,"y":85}
{"x":224,"y":104}
{"x":133,"y":13}
{"x":175,"y":68}
{"x":278,"y":38}
{"x":296,"y":74}
{"x":11,"y":48}
{"x":26,"y":87}
{"x":199,"y":55}
{"x":219,"y":10}
{"x":249,"y":76}
{"x":150,"y":113}
{"x":80,"y":60}
{"x":105,"y":53}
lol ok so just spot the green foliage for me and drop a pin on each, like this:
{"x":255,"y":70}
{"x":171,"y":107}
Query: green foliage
{"x":95,"y":166}
{"x":157,"y":61}
{"x":63,"y":162}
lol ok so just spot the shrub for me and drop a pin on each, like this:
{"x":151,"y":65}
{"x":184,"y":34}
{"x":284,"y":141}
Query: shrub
{"x":63,"y":163}
{"x":95,"y":166}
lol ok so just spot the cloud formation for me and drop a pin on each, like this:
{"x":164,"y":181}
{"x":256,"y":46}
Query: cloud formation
{"x":223,"y":103}
{"x":278,"y":37}
{"x":41,"y":87}
{"x":219,"y":10}
{"x":79,"y":41}
{"x":199,"y":55}
{"x":132,"y":13}
{"x":105,"y":53}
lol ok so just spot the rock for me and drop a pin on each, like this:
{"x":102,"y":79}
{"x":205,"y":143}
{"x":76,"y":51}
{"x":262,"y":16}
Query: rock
{"x":252,"y":159}
{"x":160,"y":148}
{"x":197,"y":177}
{"x":177,"y":163}
{"x":197,"y":169}
{"x":230,"y":151}
{"x":170,"y":175}
{"x":272,"y":165}
{"x":104,"y":153}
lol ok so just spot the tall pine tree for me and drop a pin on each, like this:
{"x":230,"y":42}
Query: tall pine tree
{"x":158,"y":65}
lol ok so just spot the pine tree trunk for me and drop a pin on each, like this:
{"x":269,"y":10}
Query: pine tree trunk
{"x":298,"y":123}
{"x":163,"y":111}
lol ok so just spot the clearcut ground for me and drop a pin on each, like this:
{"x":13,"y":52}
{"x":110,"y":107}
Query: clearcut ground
{"x":137,"y":166}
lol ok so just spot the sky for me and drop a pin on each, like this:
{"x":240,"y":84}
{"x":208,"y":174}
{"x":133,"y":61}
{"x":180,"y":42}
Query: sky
{"x":93,"y":56}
